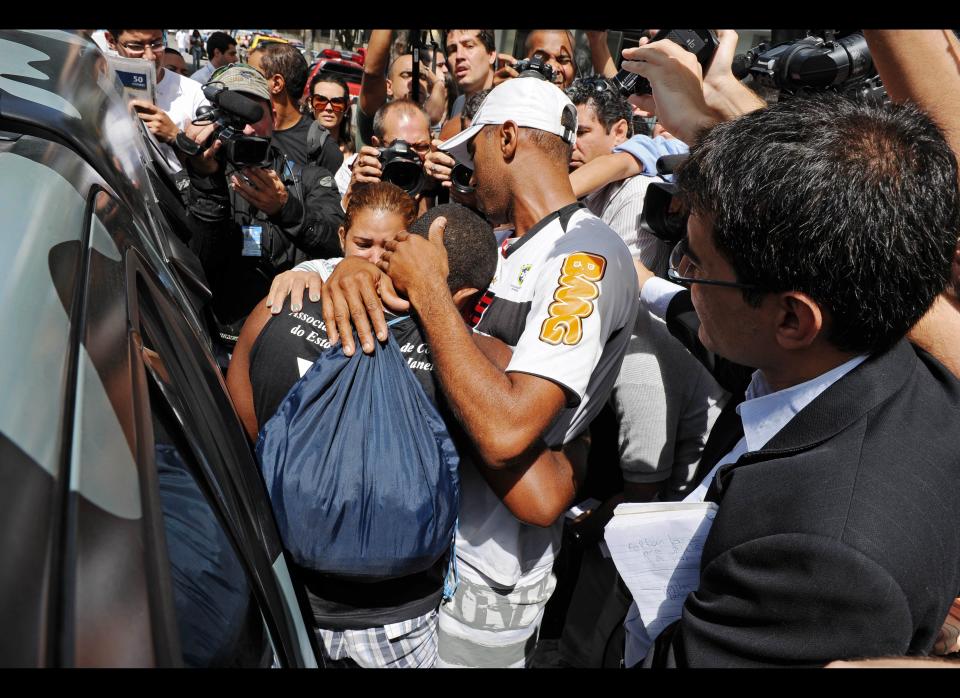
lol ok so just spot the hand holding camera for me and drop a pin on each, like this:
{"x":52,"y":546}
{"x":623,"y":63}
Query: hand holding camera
{"x":263,"y":188}
{"x":397,"y":163}
{"x":721,"y":88}
{"x":676,"y":79}
{"x":202,"y":160}
{"x":506,"y":70}
{"x":439,"y":165}
{"x":367,"y":167}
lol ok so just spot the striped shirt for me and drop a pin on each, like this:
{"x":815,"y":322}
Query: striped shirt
{"x":620,"y":205}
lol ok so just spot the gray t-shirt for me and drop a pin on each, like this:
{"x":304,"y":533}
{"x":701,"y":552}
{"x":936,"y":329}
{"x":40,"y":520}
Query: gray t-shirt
{"x":666,"y":403}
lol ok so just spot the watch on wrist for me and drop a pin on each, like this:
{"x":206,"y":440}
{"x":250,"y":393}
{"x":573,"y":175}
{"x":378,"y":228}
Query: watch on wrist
{"x":186,"y":145}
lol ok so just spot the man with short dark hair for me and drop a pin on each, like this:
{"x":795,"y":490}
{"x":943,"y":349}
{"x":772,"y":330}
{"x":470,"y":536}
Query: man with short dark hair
{"x":472,"y":57}
{"x":221,"y":50}
{"x":286,"y":72}
{"x":178,"y":97}
{"x":809,"y":260}
{"x":604,"y":122}
{"x":172,"y":60}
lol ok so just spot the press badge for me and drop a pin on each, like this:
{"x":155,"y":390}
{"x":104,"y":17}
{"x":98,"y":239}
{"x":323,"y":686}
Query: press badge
{"x":251,"y":240}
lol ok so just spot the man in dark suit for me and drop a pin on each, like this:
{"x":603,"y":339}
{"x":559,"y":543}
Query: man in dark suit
{"x":821,"y":230}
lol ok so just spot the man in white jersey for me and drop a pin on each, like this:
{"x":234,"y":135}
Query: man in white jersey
{"x":564,"y":299}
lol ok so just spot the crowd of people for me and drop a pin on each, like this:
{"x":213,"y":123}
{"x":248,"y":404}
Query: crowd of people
{"x":791,"y":354}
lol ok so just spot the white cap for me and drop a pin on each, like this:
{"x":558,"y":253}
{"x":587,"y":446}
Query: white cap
{"x":527,"y":101}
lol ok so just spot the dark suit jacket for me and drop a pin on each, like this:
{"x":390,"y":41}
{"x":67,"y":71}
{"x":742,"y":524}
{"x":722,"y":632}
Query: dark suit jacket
{"x":840,"y":538}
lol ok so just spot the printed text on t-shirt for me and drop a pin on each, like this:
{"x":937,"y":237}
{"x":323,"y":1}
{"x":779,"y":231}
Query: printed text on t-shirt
{"x":573,"y":299}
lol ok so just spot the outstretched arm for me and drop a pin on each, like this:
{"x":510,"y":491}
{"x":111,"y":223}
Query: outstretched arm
{"x":600,"y":54}
{"x":923,"y":66}
{"x":238,"y":373}
{"x":373,"y":85}
{"x":602,"y":170}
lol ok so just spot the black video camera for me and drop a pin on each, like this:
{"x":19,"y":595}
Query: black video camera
{"x":231,"y":112}
{"x":534,"y":67}
{"x":815,"y":62}
{"x":703,"y":43}
{"x":402,"y":166}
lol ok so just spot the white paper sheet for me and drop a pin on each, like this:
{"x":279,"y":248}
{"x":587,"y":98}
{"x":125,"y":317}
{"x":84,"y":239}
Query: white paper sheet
{"x":656,"y":548}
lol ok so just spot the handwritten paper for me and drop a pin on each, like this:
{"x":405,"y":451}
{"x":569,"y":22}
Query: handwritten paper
{"x":656,"y":548}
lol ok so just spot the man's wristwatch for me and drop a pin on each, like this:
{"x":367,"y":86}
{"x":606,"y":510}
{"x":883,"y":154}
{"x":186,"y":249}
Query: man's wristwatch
{"x":186,"y":145}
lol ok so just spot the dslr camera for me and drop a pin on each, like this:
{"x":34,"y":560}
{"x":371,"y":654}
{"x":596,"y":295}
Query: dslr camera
{"x":402,"y":166}
{"x":231,"y":112}
{"x":534,"y":67}
{"x":703,"y":43}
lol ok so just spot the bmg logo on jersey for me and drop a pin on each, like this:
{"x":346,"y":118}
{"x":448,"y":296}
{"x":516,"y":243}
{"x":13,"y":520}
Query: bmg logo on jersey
{"x":573,"y":299}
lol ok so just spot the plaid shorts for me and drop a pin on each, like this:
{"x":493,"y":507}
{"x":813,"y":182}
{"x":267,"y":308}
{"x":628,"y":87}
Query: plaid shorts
{"x":410,"y":644}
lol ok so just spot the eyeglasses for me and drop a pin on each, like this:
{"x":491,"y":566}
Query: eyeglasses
{"x":684,"y":271}
{"x":137,"y":49}
{"x":338,"y":103}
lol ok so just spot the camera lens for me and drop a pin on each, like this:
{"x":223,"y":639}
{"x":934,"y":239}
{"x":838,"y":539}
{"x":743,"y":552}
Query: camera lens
{"x":460,"y":177}
{"x":405,"y":174}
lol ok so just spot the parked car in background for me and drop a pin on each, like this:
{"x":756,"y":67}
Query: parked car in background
{"x":340,"y":63}
{"x":135,"y":529}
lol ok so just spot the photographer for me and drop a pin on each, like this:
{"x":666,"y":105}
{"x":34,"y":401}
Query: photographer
{"x":251,"y":222}
{"x":555,"y":48}
{"x":395,"y":122}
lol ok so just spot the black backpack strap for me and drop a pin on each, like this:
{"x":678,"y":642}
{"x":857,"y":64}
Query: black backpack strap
{"x":316,"y":137}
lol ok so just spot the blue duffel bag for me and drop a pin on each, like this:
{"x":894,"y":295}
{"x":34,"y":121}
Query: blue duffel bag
{"x":360,"y":468}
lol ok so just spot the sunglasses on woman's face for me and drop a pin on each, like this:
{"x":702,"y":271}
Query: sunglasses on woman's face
{"x":338,"y":103}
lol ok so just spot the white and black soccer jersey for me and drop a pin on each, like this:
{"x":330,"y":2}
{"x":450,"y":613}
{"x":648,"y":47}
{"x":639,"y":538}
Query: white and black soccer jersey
{"x":564,"y":298}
